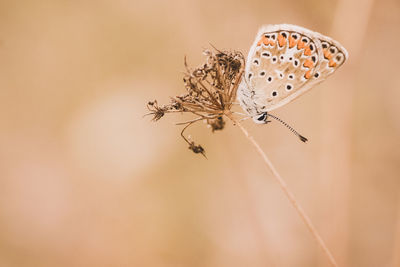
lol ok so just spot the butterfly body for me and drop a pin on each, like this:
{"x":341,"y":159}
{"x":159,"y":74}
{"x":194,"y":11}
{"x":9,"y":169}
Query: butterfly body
{"x":284,"y":62}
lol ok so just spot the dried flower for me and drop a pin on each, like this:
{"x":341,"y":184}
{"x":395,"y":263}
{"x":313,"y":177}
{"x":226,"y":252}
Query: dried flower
{"x":217,"y":124}
{"x":210,"y":92}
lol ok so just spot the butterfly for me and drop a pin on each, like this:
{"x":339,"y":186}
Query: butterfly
{"x":284,"y":62}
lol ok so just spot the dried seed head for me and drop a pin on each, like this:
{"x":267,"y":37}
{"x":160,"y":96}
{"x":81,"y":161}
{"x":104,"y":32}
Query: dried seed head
{"x":217,"y":124}
{"x":197,"y":149}
{"x":155,"y":110}
{"x":210,"y":91}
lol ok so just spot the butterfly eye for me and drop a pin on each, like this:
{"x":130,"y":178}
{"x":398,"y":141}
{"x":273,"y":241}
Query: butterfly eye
{"x":295,"y":36}
{"x":256,"y":62}
{"x":291,"y":76}
{"x":281,"y":57}
{"x":262,"y":73}
{"x":316,"y":75}
{"x":262,"y":117}
{"x":296,"y":62}
{"x":250,"y":75}
{"x":324,"y":45}
{"x":289,"y":87}
{"x":332,"y":49}
{"x":274,"y":93}
{"x":311,"y":46}
{"x":284,"y":34}
{"x":269,"y":79}
{"x":265,"y":54}
{"x":305,"y":40}
{"x":274,"y":59}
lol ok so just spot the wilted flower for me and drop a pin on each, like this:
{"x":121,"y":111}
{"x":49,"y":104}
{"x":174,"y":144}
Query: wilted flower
{"x":210,"y":92}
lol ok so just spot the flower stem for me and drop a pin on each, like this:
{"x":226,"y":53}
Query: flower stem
{"x":287,"y":192}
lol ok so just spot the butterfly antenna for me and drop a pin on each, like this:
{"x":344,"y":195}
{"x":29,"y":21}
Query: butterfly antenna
{"x":302,"y":138}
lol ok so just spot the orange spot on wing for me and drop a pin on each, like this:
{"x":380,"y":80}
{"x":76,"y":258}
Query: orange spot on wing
{"x":292,"y":42}
{"x":332,"y":63}
{"x":281,"y":40}
{"x":308,"y":74}
{"x":272,"y":42}
{"x":300,"y":45}
{"x":307,"y":51}
{"x":266,"y":41}
{"x":327,"y":54}
{"x":308,"y":64}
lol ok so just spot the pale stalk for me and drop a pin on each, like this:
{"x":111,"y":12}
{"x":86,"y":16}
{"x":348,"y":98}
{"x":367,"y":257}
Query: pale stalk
{"x":287,"y":192}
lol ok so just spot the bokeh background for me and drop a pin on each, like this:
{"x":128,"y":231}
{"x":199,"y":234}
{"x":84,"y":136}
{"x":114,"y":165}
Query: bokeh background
{"x":85,"y":180}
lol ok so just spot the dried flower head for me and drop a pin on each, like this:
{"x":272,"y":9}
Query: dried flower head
{"x":217,"y":124}
{"x":210,"y":92}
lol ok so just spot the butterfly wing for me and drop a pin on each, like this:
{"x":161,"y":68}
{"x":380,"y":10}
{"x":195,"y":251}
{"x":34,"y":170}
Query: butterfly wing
{"x":284,"y":62}
{"x":333,"y":56}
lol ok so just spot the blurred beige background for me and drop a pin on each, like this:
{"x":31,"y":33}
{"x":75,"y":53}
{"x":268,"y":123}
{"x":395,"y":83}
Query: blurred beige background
{"x":85,"y":180}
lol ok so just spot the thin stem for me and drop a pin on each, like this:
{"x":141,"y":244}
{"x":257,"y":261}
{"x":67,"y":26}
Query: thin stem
{"x":220,"y":77}
{"x":184,"y":128}
{"x":236,"y":85}
{"x":214,"y":100}
{"x":287,"y":192}
{"x":191,"y":121}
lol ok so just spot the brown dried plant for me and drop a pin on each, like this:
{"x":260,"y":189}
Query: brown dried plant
{"x":210,"y":92}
